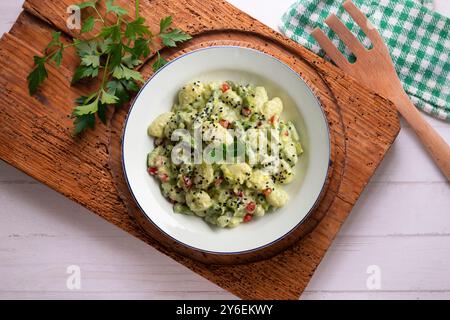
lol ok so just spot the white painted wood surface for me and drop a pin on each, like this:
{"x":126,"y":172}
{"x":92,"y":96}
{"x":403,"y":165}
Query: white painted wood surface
{"x":401,"y":224}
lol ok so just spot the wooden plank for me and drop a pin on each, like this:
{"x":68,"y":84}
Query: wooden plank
{"x":67,"y":225}
{"x":81,"y":165}
{"x":108,"y":295}
{"x":407,"y":161}
{"x":384,"y":210}
{"x":422,"y":252}
{"x":376,"y":295}
{"x":10,"y":11}
{"x":11,"y":175}
{"x":110,"y":266}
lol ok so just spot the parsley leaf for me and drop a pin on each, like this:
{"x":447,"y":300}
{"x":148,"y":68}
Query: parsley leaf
{"x":108,"y":98}
{"x":116,"y":88}
{"x":84,"y":72}
{"x":83,"y":100}
{"x":38,"y":75}
{"x":171,"y":38}
{"x":130,"y":61}
{"x":130,"y":85}
{"x":58,"y":55}
{"x":105,"y":45}
{"x":81,"y":123}
{"x":117,"y":50}
{"x":91,"y":60}
{"x":141,"y":48}
{"x":122,"y":89}
{"x":55,"y":42}
{"x":136,"y":28}
{"x":112,"y":32}
{"x":122,"y":72}
{"x":110,"y":7}
{"x":85,"y":48}
{"x":101,"y":113}
{"x":165,"y":23}
{"x":159,"y":63}
{"x":88,"y":25}
{"x":89,"y":108}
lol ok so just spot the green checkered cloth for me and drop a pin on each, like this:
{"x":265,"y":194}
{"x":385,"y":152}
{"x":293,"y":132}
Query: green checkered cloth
{"x":417,"y":37}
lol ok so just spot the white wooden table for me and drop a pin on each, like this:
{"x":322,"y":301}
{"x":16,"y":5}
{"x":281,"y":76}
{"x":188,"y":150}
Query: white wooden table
{"x":401,"y":224}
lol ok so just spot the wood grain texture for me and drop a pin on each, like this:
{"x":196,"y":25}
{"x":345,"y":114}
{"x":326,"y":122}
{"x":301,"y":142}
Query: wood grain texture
{"x":46,"y":150}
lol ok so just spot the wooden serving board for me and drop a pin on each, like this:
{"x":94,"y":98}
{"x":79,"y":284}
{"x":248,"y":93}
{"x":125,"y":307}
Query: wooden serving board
{"x":35,"y":134}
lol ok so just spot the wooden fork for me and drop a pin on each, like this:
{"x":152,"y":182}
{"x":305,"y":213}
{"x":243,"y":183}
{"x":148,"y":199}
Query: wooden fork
{"x":374,"y":68}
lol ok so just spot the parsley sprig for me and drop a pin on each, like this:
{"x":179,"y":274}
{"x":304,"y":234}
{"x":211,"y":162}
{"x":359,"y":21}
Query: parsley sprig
{"x":112,"y":55}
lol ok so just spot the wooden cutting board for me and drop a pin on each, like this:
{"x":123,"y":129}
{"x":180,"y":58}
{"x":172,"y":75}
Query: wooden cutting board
{"x":35,"y":134}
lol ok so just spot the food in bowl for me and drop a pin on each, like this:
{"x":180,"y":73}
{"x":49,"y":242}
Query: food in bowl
{"x":223,"y":153}
{"x":299,"y":106}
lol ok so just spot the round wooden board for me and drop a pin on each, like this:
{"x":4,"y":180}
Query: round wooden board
{"x":337,"y":138}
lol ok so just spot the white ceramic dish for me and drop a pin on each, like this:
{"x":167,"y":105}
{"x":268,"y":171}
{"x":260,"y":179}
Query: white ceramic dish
{"x":241,"y":65}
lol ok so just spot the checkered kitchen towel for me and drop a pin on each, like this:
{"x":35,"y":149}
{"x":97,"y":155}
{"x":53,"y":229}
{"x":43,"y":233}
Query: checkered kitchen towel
{"x":418,"y":39}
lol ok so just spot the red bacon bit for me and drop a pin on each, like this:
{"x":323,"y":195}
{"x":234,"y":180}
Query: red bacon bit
{"x":251,"y":207}
{"x":153,"y":171}
{"x":286,"y":133}
{"x":267,"y":191}
{"x":246,"y":112}
{"x":218,"y":182}
{"x":238,"y":193}
{"x":163,"y":177}
{"x":248,"y":218}
{"x":225,"y":87}
{"x":273,"y":119}
{"x":187,"y":182}
{"x":224,"y":123}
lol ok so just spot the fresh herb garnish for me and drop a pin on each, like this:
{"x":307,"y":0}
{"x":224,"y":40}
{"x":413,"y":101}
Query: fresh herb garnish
{"x":112,"y":55}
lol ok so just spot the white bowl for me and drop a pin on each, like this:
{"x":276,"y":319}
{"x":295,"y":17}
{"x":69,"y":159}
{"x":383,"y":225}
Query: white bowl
{"x":241,"y":65}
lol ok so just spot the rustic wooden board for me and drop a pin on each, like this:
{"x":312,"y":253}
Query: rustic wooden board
{"x":35,"y":134}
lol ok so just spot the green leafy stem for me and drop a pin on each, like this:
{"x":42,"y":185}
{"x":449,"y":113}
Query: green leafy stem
{"x":113,"y":55}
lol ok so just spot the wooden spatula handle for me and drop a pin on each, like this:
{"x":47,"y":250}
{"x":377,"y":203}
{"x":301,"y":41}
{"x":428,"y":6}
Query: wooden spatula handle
{"x":435,"y":144}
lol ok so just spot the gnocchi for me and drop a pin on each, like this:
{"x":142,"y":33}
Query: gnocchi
{"x":258,"y":157}
{"x":156,"y":129}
